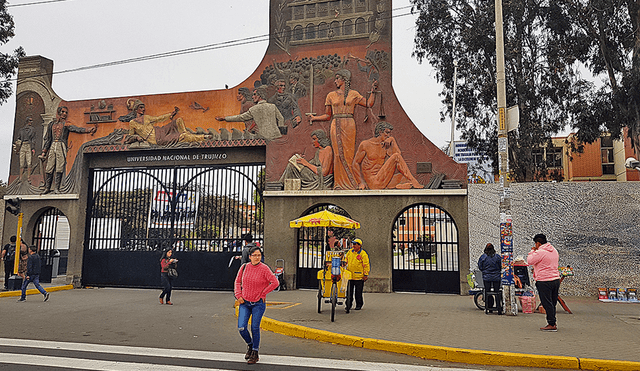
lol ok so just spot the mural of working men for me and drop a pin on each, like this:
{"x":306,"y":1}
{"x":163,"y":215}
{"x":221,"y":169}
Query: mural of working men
{"x":286,"y":103}
{"x":142,"y":127}
{"x":378,"y":163}
{"x":267,"y":117}
{"x":54,"y":148}
{"x":316,"y":173}
{"x":339,"y":107}
{"x":246,"y":102}
{"x":25,"y":147}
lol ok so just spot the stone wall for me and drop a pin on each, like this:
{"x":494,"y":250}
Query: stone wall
{"x":595,"y":227}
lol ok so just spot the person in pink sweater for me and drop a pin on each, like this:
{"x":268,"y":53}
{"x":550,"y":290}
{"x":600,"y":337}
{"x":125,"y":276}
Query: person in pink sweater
{"x":544,"y":259}
{"x":253,"y":282}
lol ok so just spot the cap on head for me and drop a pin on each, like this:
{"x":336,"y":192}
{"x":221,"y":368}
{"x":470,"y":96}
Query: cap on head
{"x":358,"y":241}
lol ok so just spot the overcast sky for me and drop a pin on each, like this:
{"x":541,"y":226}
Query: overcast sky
{"x":79,"y":33}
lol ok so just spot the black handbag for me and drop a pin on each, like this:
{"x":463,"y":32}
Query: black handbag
{"x":172,"y":272}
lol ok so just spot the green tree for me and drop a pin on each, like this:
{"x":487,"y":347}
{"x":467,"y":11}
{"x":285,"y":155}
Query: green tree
{"x":546,"y":45}
{"x":8,"y":61}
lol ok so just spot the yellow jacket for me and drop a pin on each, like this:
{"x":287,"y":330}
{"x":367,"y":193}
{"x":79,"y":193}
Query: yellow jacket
{"x":357,"y":263}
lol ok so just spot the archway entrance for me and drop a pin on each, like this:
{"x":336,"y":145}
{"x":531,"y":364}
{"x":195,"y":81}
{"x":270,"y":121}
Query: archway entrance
{"x":425,"y":251}
{"x":312,"y":244}
{"x":51,"y":237}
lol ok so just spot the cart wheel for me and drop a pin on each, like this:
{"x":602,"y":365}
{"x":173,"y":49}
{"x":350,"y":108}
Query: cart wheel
{"x":478,"y":298}
{"x":334,"y":300}
{"x":320,"y":298}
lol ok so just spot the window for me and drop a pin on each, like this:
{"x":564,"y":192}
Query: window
{"x":606,"y":151}
{"x":554,"y":157}
{"x":538,"y":156}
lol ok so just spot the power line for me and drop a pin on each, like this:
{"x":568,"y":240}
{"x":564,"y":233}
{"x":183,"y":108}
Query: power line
{"x":36,"y":3}
{"x":220,"y":45}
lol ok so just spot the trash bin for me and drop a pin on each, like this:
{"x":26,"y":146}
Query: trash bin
{"x":55,"y":262}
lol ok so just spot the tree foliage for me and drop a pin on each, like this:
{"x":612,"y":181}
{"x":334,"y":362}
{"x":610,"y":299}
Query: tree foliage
{"x":8,"y":61}
{"x":547,"y":46}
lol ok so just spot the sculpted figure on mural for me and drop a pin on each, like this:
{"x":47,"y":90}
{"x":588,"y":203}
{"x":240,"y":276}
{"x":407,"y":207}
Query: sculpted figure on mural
{"x":378,"y":164}
{"x":246,"y":102}
{"x":142,"y":127}
{"x":267,"y":117}
{"x":340,"y":106}
{"x":296,"y":88}
{"x":54,"y":148}
{"x":286,"y":103}
{"x":25,"y":147}
{"x":316,"y":173}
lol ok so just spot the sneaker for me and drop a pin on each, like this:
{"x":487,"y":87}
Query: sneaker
{"x":358,"y":308}
{"x":169,"y":303}
{"x":46,"y":296}
{"x":161,"y":301}
{"x":249,"y":350}
{"x":347,"y":310}
{"x":253,"y":358}
{"x":22,"y":299}
{"x":549,"y":328}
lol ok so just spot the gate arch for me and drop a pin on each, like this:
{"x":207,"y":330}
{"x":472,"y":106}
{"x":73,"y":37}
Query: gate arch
{"x":51,"y":237}
{"x":425,"y":250}
{"x":202,"y":212}
{"x":312,"y":244}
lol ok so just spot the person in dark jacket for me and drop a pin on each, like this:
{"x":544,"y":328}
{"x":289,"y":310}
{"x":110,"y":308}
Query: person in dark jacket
{"x":490,"y":264}
{"x":33,"y":274}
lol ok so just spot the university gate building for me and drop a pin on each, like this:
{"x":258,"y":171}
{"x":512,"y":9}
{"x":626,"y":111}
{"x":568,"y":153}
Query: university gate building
{"x":317,"y":125}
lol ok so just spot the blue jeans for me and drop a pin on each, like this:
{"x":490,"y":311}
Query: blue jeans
{"x":254,"y":310}
{"x":35,"y":278}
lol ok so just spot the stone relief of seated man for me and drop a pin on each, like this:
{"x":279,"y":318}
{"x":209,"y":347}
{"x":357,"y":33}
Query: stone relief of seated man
{"x":378,"y":163}
{"x":142,"y":127}
{"x":316,"y":173}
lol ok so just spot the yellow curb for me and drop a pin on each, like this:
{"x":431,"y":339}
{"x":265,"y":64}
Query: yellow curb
{"x":448,"y":354}
{"x":604,"y":364}
{"x":8,"y":294}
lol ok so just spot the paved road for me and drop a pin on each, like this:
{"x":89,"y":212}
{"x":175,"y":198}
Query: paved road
{"x":44,"y":355}
{"x":199,"y":321}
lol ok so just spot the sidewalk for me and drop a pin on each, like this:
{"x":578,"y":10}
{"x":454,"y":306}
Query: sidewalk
{"x":598,"y":336}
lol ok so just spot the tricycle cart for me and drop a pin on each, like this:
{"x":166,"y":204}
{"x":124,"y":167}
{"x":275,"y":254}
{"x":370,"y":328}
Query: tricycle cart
{"x":333,"y":279}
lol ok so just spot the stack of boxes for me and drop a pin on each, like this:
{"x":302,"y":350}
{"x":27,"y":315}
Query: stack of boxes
{"x":618,"y":294}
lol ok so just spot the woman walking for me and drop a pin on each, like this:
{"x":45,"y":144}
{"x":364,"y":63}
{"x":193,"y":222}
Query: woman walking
{"x":167,"y":262}
{"x":340,"y":106}
{"x":253,"y":282}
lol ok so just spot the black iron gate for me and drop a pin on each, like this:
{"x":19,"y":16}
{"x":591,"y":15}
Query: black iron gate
{"x":425,"y":251}
{"x":201,"y":212}
{"x":51,"y":238}
{"x":312,"y":245}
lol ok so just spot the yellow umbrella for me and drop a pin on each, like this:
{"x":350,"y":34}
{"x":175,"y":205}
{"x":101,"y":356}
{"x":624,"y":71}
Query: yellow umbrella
{"x":324,"y":218}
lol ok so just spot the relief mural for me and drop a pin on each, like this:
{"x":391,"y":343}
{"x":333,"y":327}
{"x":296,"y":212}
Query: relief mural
{"x":321,"y":87}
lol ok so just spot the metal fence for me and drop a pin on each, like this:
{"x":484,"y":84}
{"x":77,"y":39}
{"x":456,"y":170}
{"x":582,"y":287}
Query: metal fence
{"x":187,"y":208}
{"x":425,"y":237}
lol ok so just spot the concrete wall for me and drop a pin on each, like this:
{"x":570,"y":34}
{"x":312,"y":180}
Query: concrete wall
{"x":593,"y":225}
{"x":376,"y":212}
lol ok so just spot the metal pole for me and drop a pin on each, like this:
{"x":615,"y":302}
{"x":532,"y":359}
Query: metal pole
{"x":506,"y":231}
{"x":453,"y":111}
{"x":16,"y":254}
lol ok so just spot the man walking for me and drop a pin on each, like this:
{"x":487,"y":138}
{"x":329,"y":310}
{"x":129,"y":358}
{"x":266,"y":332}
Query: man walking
{"x":33,"y":274}
{"x":358,"y":264}
{"x":544,"y":259}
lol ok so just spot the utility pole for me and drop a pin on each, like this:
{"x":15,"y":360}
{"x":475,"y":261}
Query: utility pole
{"x":453,"y":110}
{"x":506,"y":230}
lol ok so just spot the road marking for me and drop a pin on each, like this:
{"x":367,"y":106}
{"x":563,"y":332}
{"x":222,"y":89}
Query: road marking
{"x":101,"y":365}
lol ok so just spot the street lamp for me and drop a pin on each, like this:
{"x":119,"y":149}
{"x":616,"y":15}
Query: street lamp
{"x":632,"y":163}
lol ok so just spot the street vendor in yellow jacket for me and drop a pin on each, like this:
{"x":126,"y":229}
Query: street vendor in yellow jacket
{"x":358,"y":264}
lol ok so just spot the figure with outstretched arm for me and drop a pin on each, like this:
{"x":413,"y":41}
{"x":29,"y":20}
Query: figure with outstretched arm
{"x":339,"y":107}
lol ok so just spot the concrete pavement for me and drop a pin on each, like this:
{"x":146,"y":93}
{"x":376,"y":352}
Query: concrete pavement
{"x":597,"y":336}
